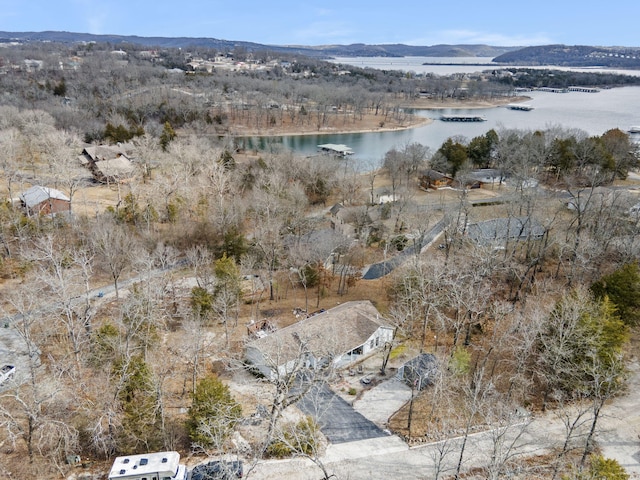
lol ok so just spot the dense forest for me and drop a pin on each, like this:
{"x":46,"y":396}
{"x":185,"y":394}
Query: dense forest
{"x":551,"y":78}
{"x":129,"y":311}
{"x":573,"y":56}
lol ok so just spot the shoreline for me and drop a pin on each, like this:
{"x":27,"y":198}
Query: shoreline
{"x":420,"y":121}
{"x":416,"y":121}
{"x":429,"y":104}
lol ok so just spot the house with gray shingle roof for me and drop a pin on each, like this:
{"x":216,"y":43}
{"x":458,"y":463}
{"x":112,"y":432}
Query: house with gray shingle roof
{"x":39,"y":200}
{"x":501,"y":230}
{"x":107,"y":163}
{"x":341,"y":335}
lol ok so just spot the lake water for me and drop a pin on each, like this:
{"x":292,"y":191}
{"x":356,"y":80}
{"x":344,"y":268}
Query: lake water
{"x":594,"y":113}
{"x":451,"y":65}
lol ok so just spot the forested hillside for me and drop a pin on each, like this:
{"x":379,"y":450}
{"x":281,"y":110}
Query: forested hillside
{"x":393,"y":50}
{"x":573,"y":56}
{"x":164,"y":248}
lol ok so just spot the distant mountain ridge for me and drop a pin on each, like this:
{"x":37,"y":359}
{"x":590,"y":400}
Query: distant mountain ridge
{"x":553,"y":55}
{"x":573,"y":56}
{"x":353,"y":50}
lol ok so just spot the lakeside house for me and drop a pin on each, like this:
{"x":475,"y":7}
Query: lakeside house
{"x":432,"y":179}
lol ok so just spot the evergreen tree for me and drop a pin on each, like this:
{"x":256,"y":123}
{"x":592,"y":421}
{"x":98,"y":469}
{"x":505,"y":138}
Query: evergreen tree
{"x":167,"y":135}
{"x":213,"y":413}
{"x":622,"y":287}
{"x":141,"y":423}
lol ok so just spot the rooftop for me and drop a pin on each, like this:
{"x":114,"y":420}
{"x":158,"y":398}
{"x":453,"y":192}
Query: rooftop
{"x":327,"y":334}
{"x":38,"y":194}
{"x":146,"y":463}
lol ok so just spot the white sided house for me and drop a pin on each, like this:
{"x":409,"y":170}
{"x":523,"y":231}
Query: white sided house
{"x":148,"y":466}
{"x":341,"y":335}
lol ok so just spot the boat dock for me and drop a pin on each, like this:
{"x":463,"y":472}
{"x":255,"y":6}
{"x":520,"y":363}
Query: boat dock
{"x":462,"y":118}
{"x":336,"y":149}
{"x":520,"y":106}
{"x":584,"y":89}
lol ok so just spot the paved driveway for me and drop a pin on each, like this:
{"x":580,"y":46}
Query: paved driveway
{"x":383,"y":400}
{"x":338,"y":421}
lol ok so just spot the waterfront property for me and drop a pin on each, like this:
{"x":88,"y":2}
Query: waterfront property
{"x":433,"y":179}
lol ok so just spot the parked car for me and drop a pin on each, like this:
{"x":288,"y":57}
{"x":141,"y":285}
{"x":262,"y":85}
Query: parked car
{"x":217,"y":470}
{"x":6,"y":372}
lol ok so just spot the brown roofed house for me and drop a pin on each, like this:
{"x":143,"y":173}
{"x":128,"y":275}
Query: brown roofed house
{"x":434,"y":179}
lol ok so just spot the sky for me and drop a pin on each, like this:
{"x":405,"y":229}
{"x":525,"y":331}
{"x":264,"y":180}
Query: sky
{"x":313,"y":22}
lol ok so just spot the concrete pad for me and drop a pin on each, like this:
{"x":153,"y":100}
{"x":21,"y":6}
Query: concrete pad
{"x":382,"y":401}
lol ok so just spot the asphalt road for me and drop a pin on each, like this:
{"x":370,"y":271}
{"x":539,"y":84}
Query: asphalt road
{"x":389,"y":457}
{"x":381,"y":269}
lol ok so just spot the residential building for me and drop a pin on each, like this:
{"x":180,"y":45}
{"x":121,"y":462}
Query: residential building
{"x":39,"y":200}
{"x":341,"y":335}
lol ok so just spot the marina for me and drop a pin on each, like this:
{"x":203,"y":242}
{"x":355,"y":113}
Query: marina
{"x":610,"y":108}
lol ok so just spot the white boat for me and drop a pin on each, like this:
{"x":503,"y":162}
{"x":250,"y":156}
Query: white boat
{"x":634,"y":130}
{"x":520,"y":106}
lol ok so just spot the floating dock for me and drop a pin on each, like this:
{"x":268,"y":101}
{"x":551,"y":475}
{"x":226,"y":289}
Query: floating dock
{"x":583,"y":89}
{"x":520,"y":106}
{"x":463,"y":118}
{"x":336,"y":149}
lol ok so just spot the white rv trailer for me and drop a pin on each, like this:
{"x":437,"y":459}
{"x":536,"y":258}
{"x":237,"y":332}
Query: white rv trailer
{"x":148,"y":466}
